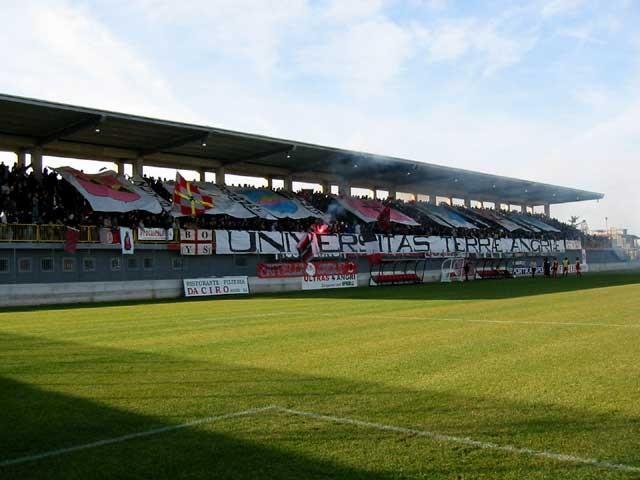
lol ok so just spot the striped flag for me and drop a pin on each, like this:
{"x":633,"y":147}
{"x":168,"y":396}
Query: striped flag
{"x":187,"y":198}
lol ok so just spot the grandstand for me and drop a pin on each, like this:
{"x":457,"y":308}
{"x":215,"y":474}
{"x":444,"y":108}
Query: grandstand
{"x":80,"y":236}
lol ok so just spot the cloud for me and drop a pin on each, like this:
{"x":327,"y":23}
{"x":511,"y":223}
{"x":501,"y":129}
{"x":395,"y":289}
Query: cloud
{"x":552,"y":8}
{"x":363,"y":57}
{"x":67,"y":56}
{"x":251,"y":31}
{"x":482,"y":44}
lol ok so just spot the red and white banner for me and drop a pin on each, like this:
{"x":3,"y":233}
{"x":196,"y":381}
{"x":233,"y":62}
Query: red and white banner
{"x":110,"y":192}
{"x":126,"y":240}
{"x":369,"y":210}
{"x":299,"y":269}
{"x":196,"y":242}
{"x":208,"y":287}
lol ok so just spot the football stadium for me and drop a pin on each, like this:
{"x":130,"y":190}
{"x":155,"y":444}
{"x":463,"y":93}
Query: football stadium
{"x":445,"y":326}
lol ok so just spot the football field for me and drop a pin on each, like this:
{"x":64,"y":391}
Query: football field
{"x":516,"y":379}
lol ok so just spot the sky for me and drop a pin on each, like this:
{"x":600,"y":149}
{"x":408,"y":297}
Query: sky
{"x":546,"y":90}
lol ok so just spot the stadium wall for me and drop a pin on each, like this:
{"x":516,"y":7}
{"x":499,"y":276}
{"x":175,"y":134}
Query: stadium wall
{"x":37,"y":274}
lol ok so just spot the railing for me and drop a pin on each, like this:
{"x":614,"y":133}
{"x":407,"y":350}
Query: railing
{"x":45,"y":233}
{"x":32,"y":233}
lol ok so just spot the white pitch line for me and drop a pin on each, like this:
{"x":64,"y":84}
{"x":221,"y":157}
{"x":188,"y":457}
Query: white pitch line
{"x":465,"y":441}
{"x":523,"y":322}
{"x":341,"y":420}
{"x":131,"y":436}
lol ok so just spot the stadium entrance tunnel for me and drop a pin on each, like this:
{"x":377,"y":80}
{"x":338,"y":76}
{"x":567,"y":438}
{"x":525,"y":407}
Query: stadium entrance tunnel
{"x":78,"y":394}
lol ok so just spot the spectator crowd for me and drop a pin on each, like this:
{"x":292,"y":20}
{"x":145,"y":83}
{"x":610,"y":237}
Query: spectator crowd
{"x":48,"y":199}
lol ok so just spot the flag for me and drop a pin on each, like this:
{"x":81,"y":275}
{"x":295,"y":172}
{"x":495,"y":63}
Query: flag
{"x":71,"y":237}
{"x":187,"y":198}
{"x":384,"y":219}
{"x":305,"y":247}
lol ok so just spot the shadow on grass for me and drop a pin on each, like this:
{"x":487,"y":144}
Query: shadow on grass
{"x":80,"y":394}
{"x":476,"y":290}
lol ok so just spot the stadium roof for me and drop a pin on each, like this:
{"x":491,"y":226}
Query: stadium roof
{"x":87,"y":133}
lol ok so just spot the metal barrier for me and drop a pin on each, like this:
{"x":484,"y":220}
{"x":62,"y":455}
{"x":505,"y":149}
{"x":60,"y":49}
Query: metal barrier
{"x":55,"y":233}
{"x":44,"y":233}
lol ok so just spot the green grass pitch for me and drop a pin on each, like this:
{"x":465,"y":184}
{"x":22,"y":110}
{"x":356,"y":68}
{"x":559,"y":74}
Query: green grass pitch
{"x":547,"y":365}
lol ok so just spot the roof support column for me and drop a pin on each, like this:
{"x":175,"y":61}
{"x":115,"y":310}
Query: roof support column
{"x":547,"y":210}
{"x":269,"y":179}
{"x":21,"y":158}
{"x":288,"y":183}
{"x":201,"y":174}
{"x":36,"y":161}
{"x":345,"y":189}
{"x":432,"y":199}
{"x":120,"y":166}
{"x":467,"y":203}
{"x":220,"y":174}
{"x":326,"y":187}
{"x":392,"y":194}
{"x":138,"y":166}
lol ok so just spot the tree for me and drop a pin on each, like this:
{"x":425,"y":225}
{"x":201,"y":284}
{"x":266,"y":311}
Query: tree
{"x":573,"y":220}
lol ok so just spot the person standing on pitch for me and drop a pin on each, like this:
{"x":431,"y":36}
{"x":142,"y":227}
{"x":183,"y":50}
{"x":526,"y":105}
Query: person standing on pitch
{"x":554,"y":268}
{"x":546,"y":267}
{"x":466,"y":269}
{"x":565,"y":267}
{"x":578,"y":267}
{"x":534,"y":266}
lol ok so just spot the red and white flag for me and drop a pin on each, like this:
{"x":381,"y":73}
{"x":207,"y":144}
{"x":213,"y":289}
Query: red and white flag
{"x":187,"y":198}
{"x":71,"y":237}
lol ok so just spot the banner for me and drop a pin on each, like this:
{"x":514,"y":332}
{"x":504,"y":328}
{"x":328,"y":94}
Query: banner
{"x":298,"y":269}
{"x":230,"y":242}
{"x":110,"y":192}
{"x":444,"y":216}
{"x":142,"y":184}
{"x":196,"y":242}
{"x":126,"y":240}
{"x":369,"y":211}
{"x":320,"y":282}
{"x":224,"y":203}
{"x":208,"y":287}
{"x":324,"y":244}
{"x":155,"y":234}
{"x":573,"y":244}
{"x":327,"y":245}
{"x":278,"y":205}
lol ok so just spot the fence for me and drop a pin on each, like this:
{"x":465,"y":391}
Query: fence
{"x":30,"y":233}
{"x":45,"y":233}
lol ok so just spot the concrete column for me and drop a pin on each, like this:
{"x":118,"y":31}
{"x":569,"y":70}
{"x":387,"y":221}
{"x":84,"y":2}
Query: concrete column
{"x":220,"y":174}
{"x":201,"y":174}
{"x":450,"y":201}
{"x":21,"y":158}
{"x":467,"y":203}
{"x":326,"y":187}
{"x":345,"y":189}
{"x":269,"y":179}
{"x":288,"y":183}
{"x":138,"y":166}
{"x":523,"y":208}
{"x":432,"y":199}
{"x":36,"y":161}
{"x":120,"y":166}
{"x":392,"y":194}
{"x":547,"y":210}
